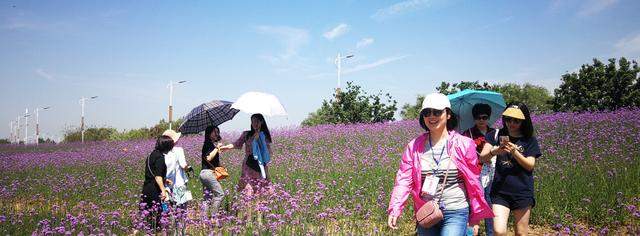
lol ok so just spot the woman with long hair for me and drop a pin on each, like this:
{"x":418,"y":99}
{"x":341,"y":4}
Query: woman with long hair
{"x":517,"y":150}
{"x":437,"y":153}
{"x":257,"y":149}
{"x":210,"y":159}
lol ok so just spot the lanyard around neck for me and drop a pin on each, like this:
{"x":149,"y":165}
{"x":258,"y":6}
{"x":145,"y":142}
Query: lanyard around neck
{"x":433,"y":153}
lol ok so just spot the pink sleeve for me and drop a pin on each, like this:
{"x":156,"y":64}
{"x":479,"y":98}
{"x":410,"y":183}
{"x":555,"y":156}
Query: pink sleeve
{"x":479,"y":207}
{"x":471,"y":156}
{"x":403,"y":183}
{"x":238,"y":143}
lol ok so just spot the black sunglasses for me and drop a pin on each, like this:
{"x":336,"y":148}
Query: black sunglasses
{"x":511,"y":119}
{"x":481,"y":117}
{"x":430,"y":111}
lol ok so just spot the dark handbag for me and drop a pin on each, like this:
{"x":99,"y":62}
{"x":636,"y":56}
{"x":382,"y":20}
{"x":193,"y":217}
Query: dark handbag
{"x":253,"y":163}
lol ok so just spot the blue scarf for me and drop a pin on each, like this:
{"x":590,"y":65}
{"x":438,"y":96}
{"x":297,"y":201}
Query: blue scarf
{"x":260,"y":151}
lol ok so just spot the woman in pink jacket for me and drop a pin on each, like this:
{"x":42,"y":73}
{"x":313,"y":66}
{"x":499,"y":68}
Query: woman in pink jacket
{"x":429,"y":157}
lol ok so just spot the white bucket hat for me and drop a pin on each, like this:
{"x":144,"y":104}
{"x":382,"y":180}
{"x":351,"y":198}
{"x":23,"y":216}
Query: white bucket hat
{"x":172,"y":134}
{"x":436,"y":101}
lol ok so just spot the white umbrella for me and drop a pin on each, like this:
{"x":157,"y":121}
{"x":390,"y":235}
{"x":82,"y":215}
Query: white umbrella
{"x":257,"y":102}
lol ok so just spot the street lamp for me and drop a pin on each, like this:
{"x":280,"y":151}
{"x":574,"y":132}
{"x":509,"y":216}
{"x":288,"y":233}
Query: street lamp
{"x":82,"y":101}
{"x":38,"y":124}
{"x":11,"y":132}
{"x":338,"y":63}
{"x":171,"y":83}
{"x":26,"y":126}
{"x":18,"y":130}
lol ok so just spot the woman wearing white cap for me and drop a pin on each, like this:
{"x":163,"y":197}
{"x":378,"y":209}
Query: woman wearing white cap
{"x":441,"y":167}
{"x":177,"y":177}
{"x":517,"y":149}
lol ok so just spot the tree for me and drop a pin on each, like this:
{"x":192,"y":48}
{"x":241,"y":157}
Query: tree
{"x":446,"y":88}
{"x":353,"y":106}
{"x":536,"y":97}
{"x":90,"y":134}
{"x":48,"y":140}
{"x":108,"y":133}
{"x":599,"y":87}
{"x":409,"y":111}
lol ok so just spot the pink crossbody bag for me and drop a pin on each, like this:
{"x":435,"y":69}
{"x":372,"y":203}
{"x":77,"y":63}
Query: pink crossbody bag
{"x":430,"y":213}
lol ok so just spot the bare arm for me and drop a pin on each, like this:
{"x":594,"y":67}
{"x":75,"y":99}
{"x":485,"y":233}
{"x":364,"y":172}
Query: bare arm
{"x":526,"y":162}
{"x":487,"y":153}
{"x":213,"y":153}
{"x":163,"y":194}
{"x":235,"y":145}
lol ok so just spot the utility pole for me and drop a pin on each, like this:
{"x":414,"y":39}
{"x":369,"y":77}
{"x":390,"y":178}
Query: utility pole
{"x":82,"y":102}
{"x":171,"y":84}
{"x":26,"y":126}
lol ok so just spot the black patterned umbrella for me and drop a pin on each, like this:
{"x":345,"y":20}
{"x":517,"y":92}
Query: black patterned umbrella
{"x":211,"y":113}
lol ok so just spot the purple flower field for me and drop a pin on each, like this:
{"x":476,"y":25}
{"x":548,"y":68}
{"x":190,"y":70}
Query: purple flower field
{"x":333,"y":179}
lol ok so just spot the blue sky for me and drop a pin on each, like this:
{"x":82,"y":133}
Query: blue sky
{"x":55,"y":52}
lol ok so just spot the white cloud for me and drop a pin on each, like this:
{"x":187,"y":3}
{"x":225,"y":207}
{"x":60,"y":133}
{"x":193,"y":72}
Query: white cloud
{"x":338,"y":31}
{"x":628,"y":45}
{"x":594,"y":6}
{"x":374,"y":64}
{"x":357,"y":68}
{"x":321,"y":75}
{"x":364,"y":42}
{"x":399,"y":8}
{"x":44,"y":74}
{"x":292,"y":39}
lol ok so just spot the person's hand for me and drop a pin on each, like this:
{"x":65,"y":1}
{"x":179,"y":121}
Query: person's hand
{"x":509,"y":147}
{"x":392,"y":222}
{"x":499,"y":151}
{"x":168,"y":182}
{"x":164,"y":195}
{"x":513,"y":148}
{"x":190,"y":172}
{"x":225,"y":147}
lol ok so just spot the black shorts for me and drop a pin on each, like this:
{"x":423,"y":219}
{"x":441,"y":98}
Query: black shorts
{"x":513,"y":202}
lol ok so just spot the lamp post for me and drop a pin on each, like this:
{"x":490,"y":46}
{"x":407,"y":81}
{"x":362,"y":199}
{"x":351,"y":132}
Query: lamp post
{"x":338,"y":63}
{"x":18,"y":130}
{"x":11,"y":140}
{"x":171,"y":84}
{"x":38,"y":124}
{"x":82,"y":102}
{"x":26,"y":126}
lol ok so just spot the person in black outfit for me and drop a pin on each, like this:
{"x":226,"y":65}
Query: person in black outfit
{"x":517,"y":151}
{"x":153,"y":191}
{"x":210,"y":159}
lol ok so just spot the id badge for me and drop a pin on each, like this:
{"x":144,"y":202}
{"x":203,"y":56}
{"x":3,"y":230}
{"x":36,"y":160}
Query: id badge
{"x":430,"y":185}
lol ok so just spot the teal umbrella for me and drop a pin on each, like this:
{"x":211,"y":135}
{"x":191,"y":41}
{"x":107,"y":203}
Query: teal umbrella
{"x":462,"y":102}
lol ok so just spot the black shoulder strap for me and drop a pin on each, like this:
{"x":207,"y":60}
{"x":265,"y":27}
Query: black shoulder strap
{"x":149,"y":165}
